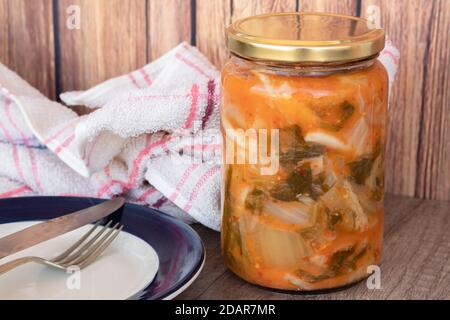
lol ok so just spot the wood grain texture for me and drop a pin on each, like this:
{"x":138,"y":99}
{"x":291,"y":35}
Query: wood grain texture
{"x":169,"y":23}
{"x":245,"y":8}
{"x":415,"y":264}
{"x":111,"y":41}
{"x":26,"y":42}
{"x":336,"y":6}
{"x":409,"y":23}
{"x":212,"y":17}
{"x":433,"y":172}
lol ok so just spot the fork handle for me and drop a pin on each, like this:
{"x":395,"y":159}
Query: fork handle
{"x":14,"y":264}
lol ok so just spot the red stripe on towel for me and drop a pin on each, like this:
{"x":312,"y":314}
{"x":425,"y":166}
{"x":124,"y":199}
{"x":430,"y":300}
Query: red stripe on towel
{"x":146,"y":77}
{"x":192,"y":65}
{"x":136,"y":166}
{"x":65,"y":144}
{"x":183,"y":180}
{"x":15,"y":152}
{"x":106,"y":188}
{"x":158,"y":204}
{"x":199,"y":185}
{"x":391,"y":54}
{"x":210,"y":103}
{"x":107,"y":171}
{"x":133,"y":80}
{"x":169,"y":96}
{"x":15,"y":191}
{"x":201,"y":147}
{"x":25,"y":139}
{"x":194,"y":106}
{"x":144,"y":195}
{"x":72,"y":123}
{"x":142,"y":154}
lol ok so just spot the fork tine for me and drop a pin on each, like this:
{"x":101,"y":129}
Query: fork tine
{"x":86,"y":253}
{"x":84,"y":247}
{"x":76,"y":244}
{"x":100,"y":250}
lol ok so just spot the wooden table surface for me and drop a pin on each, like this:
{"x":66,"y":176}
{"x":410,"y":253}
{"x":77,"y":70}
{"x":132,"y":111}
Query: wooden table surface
{"x":415,"y":265}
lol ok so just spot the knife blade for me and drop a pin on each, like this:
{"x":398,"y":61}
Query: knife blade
{"x":46,"y":230}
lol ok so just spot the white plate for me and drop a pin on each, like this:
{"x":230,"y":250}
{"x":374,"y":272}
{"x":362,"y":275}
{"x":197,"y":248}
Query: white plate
{"x":127,"y":266}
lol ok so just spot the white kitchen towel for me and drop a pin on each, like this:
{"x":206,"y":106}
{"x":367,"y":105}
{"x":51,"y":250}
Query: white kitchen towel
{"x":152,"y":135}
{"x":151,"y":117}
{"x":390,"y":57}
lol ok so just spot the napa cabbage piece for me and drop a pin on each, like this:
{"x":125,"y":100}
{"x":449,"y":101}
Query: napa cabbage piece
{"x":355,"y":141}
{"x":296,"y":213}
{"x":358,"y":138}
{"x":329,"y":140}
{"x":271,"y":247}
{"x":341,"y":198}
{"x":267,"y":87}
{"x":375,"y":181}
{"x":298,"y":282}
{"x":366,"y":199}
{"x":335,"y":118}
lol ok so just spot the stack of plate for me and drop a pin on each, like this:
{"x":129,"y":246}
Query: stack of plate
{"x":155,"y":256}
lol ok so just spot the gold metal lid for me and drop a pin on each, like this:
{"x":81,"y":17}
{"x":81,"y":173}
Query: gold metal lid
{"x":304,"y":37}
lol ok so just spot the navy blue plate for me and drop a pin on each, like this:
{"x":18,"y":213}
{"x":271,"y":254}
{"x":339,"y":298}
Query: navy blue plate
{"x":179,"y":248}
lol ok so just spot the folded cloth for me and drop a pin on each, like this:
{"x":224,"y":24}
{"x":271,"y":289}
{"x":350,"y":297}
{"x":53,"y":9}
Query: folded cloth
{"x":141,"y":120}
{"x":152,"y":136}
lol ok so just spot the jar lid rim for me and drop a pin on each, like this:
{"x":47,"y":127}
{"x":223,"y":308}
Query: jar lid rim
{"x":304,"y":37}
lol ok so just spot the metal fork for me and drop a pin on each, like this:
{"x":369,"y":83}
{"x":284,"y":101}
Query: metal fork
{"x":81,"y":254}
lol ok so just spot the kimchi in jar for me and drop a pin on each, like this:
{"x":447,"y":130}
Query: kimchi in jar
{"x":304,"y":104}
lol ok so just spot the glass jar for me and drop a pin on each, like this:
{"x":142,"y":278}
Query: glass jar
{"x":303,"y":117}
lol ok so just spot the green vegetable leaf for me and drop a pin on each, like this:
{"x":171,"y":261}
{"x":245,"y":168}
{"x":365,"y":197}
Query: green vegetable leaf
{"x":301,"y":179}
{"x":360,"y":169}
{"x":334,"y":217}
{"x":346,"y":110}
{"x":255,"y":200}
{"x":298,"y":182}
{"x":299,"y":153}
{"x":294,"y":147}
{"x":341,"y":262}
{"x":339,"y":257}
{"x":283,"y":192}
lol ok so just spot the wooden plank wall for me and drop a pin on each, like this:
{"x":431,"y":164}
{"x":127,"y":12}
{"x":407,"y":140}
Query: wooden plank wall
{"x":117,"y":36}
{"x":27,"y":41}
